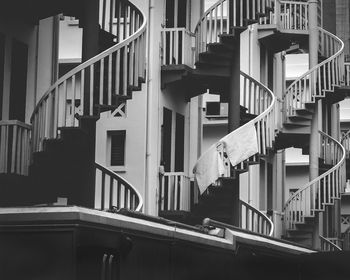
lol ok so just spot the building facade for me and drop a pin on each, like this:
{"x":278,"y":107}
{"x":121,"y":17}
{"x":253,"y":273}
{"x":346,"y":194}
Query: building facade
{"x":102,"y":107}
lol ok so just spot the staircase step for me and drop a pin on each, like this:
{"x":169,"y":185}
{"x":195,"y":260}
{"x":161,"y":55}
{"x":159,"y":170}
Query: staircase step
{"x":229,"y":39}
{"x":300,"y":118}
{"x":221,"y":48}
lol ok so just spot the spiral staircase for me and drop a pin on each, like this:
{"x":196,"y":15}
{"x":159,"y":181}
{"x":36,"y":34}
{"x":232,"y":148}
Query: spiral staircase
{"x":280,"y":24}
{"x":64,"y":119}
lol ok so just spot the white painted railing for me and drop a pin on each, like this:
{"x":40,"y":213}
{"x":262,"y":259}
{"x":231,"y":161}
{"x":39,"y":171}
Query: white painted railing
{"x":14,"y":147}
{"x":323,"y":190}
{"x":331,"y":244}
{"x":113,"y":191}
{"x":321,"y":78}
{"x":175,"y":192}
{"x":107,"y":75}
{"x":293,"y":15}
{"x":254,"y":220}
{"x":177,"y":46}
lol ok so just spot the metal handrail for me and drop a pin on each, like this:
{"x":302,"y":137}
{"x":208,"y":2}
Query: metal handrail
{"x":263,"y":216}
{"x":122,"y":181}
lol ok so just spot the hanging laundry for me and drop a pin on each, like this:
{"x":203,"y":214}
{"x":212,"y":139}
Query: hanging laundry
{"x":208,"y":168}
{"x":241,"y":143}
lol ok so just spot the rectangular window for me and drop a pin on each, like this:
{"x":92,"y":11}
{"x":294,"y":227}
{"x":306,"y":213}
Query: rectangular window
{"x":117,"y":140}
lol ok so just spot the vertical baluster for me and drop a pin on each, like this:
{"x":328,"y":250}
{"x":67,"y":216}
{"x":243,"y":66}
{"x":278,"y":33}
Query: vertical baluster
{"x":109,"y":92}
{"x":210,"y":27}
{"x":55,"y":112}
{"x":176,"y":198}
{"x":222,"y":18}
{"x":125,"y":70}
{"x":162,"y":193}
{"x":19,"y":151}
{"x":241,"y":13}
{"x":82,"y":86}
{"x":91,"y":92}
{"x":102,"y":190}
{"x":216,"y":25}
{"x":102,"y":64}
{"x":111,"y":192}
{"x":117,"y":73}
{"x":73,"y":100}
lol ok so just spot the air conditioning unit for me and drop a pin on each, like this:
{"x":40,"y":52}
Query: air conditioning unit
{"x":216,"y":109}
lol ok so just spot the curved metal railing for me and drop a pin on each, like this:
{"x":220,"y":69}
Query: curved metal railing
{"x":325,"y":76}
{"x":330,"y":244}
{"x":111,"y":190}
{"x":323,"y":190}
{"x":109,"y":74}
{"x":254,"y":220}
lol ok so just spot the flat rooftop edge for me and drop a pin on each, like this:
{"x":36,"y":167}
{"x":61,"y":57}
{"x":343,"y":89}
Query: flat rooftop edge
{"x":47,"y":215}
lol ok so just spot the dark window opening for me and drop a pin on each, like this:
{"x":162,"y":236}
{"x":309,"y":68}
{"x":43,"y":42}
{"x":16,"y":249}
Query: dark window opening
{"x":18,"y":86}
{"x":117,"y":147}
{"x":179,"y":143}
{"x":166,"y":139}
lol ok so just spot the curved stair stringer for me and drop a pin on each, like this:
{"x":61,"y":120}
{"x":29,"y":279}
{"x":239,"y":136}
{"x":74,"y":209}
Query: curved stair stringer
{"x":109,"y":77}
{"x":321,"y":192}
{"x":259,"y":101}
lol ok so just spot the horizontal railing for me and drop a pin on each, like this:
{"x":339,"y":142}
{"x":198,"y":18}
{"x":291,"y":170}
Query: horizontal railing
{"x":99,"y":80}
{"x":323,"y":190}
{"x":177,"y":46}
{"x":175,"y":192}
{"x":331,"y":244}
{"x":14,"y":147}
{"x":254,"y":220}
{"x":321,"y":78}
{"x":293,"y":15}
{"x":113,"y":191}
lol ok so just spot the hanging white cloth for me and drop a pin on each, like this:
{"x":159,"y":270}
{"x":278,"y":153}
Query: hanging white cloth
{"x":208,"y":168}
{"x":241,"y":143}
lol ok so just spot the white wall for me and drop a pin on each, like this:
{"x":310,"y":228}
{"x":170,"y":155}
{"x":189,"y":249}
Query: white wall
{"x":134,"y":170}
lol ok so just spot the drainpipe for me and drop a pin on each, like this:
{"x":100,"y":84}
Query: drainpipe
{"x":148,"y":112}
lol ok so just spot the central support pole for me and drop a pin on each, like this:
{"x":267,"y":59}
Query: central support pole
{"x":90,"y":48}
{"x":234,"y":122}
{"x":314,"y":135}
